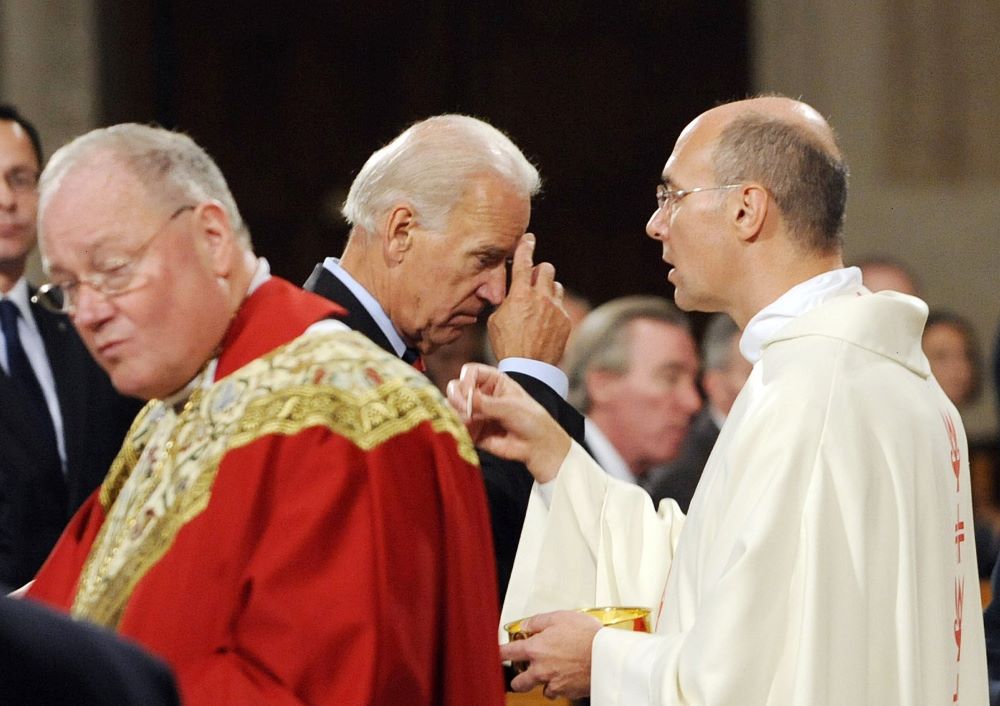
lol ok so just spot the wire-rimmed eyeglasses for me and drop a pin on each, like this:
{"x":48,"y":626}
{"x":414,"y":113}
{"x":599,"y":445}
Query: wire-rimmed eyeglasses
{"x":668,"y":198}
{"x":116,"y":276}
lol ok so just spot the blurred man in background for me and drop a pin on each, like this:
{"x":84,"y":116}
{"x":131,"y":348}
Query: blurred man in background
{"x":724,"y":372}
{"x":61,"y":422}
{"x":632,"y":370}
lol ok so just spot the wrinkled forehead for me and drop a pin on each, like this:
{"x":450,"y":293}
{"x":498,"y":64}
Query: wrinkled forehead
{"x":92,"y":204}
{"x":680,"y":348}
{"x":490,"y":212}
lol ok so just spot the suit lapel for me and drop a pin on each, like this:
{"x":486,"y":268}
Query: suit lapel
{"x":15,"y":419}
{"x":16,"y":426}
{"x":323,"y":282}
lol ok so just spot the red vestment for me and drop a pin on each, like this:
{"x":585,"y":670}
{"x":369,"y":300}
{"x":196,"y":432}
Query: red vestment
{"x":335,"y":551}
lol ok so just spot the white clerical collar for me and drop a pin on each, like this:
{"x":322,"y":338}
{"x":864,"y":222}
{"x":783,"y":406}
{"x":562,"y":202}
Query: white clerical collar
{"x":370,"y":303}
{"x":261,"y":274}
{"x":795,"y":302}
{"x":206,"y":376}
{"x":605,"y":453}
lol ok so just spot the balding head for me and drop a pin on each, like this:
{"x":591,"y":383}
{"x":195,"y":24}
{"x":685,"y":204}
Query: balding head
{"x":752,"y":203}
{"x":790,"y":149}
{"x":779,"y":108}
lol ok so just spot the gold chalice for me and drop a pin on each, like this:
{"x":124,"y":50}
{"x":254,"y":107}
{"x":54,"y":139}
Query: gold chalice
{"x":622,"y":618}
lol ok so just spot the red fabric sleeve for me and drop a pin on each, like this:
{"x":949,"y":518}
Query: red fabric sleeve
{"x":55,"y":583}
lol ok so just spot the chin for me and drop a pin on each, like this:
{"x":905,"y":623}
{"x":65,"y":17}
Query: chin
{"x":685,"y":302}
{"x":137,"y":387}
{"x":681,"y":299}
{"x":444,"y":336}
{"x":130,"y":388}
{"x":668,"y":452}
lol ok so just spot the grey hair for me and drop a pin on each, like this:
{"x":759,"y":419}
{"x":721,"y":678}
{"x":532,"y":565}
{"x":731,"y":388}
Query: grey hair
{"x":600,"y":343}
{"x":716,"y":341}
{"x":430,"y":165}
{"x":808,"y":184}
{"x":170,"y":165}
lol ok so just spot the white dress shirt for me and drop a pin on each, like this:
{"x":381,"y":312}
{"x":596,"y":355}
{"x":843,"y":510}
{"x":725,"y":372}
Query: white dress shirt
{"x":605,"y":453}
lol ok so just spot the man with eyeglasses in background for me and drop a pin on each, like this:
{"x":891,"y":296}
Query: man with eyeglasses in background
{"x":61,"y":422}
{"x":254,"y":531}
{"x":827,"y":557}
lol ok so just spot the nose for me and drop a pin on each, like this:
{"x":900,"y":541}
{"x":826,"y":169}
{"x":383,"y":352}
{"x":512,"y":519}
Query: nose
{"x":658,"y":224}
{"x":690,"y":398}
{"x":494,"y":288}
{"x":8,"y":200}
{"x":91,"y":308}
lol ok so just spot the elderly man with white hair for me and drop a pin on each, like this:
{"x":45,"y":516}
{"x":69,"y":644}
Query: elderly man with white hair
{"x":436,"y":216}
{"x":253,"y":530}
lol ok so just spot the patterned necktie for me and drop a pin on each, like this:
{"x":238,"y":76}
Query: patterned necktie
{"x":413,"y":357}
{"x":21,"y":373}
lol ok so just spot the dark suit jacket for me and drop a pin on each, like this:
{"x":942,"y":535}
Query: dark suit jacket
{"x":508,"y":484}
{"x":50,"y":659}
{"x":679,"y":478}
{"x":36,"y":499}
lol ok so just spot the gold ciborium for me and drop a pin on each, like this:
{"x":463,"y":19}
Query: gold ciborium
{"x":622,"y":618}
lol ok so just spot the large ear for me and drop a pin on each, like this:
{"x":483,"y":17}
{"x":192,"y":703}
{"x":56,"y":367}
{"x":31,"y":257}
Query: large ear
{"x":212,"y":226}
{"x":397,"y":237}
{"x":751,"y":211}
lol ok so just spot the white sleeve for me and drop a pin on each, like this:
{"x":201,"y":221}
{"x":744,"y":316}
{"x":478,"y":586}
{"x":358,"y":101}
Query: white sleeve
{"x":599,"y":542}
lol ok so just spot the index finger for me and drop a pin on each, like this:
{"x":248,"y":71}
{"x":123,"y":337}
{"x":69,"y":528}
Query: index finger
{"x":523,"y":263}
{"x":515,"y":651}
{"x":478,"y":375}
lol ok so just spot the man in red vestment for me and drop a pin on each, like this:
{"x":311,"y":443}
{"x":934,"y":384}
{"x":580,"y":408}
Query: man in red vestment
{"x":294,"y":517}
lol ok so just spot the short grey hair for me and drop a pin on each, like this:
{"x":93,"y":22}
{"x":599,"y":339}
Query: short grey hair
{"x":430,"y":166}
{"x":600,"y":342}
{"x":169,"y":164}
{"x":808,"y":184}
{"x":716,"y":340}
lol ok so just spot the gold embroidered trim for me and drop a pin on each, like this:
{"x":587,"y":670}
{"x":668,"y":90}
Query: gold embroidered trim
{"x":163,"y":476}
{"x":125,"y":460}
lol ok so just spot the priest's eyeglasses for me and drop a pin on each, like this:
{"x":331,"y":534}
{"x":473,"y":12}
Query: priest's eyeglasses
{"x":668,"y":198}
{"x":115,"y":276}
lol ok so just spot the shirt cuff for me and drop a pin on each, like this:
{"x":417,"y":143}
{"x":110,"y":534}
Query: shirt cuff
{"x":549,"y":374}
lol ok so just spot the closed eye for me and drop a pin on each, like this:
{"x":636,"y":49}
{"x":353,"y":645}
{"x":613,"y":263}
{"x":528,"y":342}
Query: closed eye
{"x":490,"y":259}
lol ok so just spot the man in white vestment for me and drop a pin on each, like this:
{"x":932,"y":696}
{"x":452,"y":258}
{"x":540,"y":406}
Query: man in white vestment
{"x":827,"y":557}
